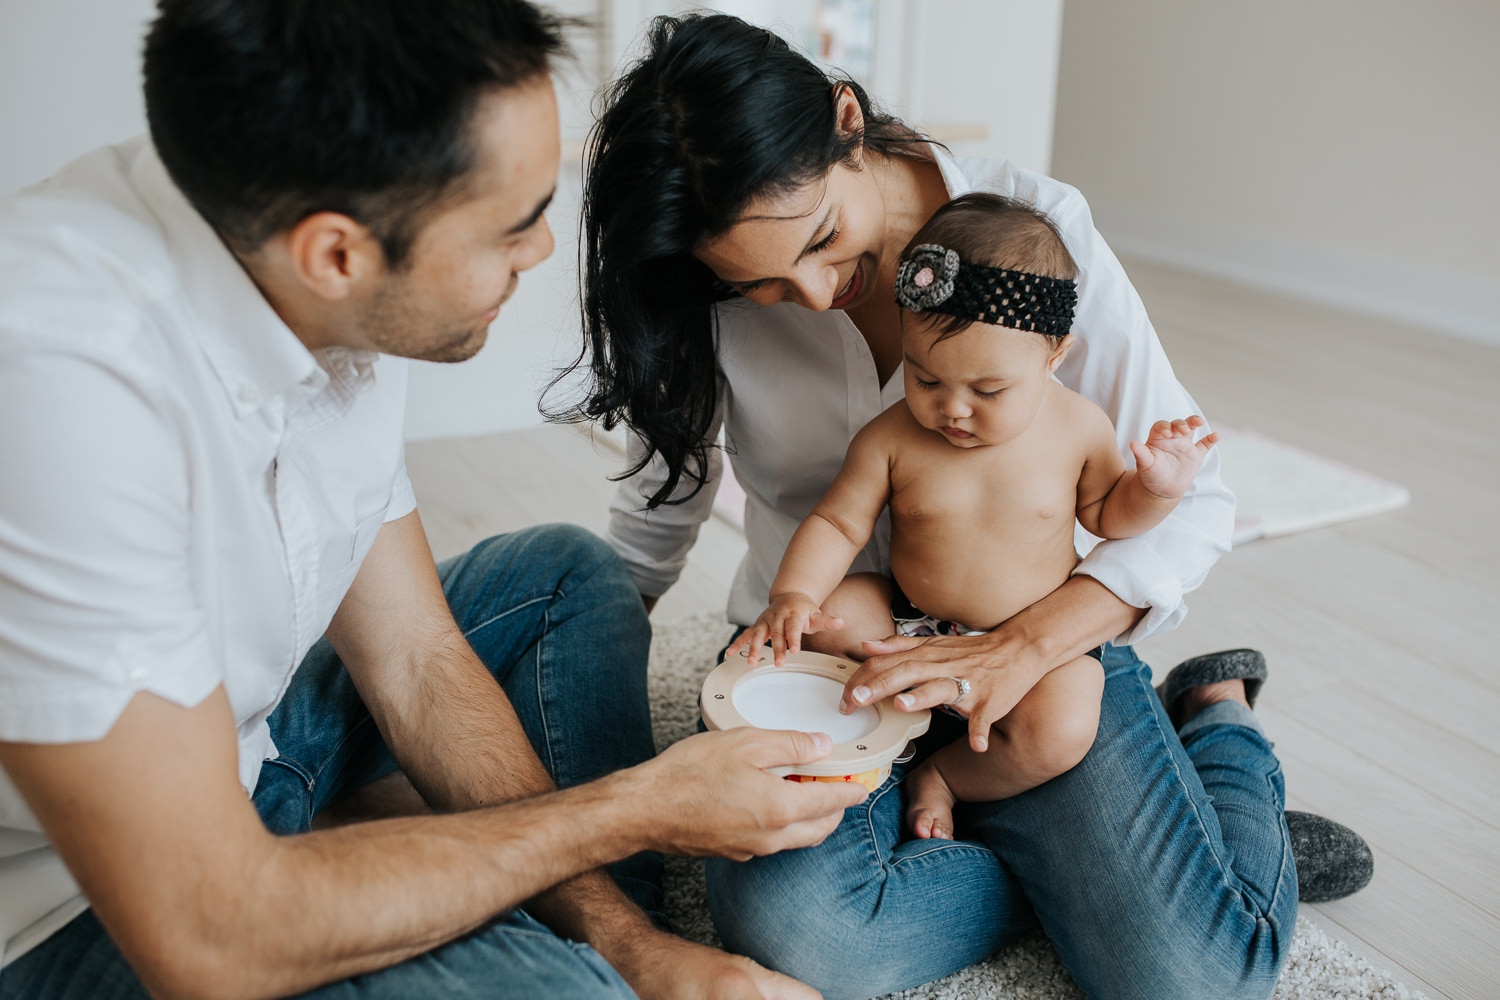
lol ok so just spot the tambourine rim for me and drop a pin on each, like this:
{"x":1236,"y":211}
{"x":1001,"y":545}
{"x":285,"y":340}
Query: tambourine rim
{"x":891,"y":734}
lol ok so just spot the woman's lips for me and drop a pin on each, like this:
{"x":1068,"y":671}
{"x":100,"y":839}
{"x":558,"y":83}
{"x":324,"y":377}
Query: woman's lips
{"x":851,"y":290}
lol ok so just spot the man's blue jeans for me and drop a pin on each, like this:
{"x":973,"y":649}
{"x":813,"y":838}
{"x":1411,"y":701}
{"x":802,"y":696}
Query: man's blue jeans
{"x":555,"y":617}
{"x":1160,"y":867}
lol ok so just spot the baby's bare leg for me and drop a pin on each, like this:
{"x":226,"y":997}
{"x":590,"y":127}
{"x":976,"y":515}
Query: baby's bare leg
{"x":1048,"y":732}
{"x":863,"y":600}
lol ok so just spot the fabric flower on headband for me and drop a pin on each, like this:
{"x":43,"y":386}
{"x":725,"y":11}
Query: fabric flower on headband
{"x":925,"y":279}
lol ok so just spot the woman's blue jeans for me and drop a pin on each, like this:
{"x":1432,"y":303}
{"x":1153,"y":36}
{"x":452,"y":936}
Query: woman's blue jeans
{"x":553,"y":614}
{"x":1160,"y":867}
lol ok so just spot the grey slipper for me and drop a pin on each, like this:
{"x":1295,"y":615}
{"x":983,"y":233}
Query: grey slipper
{"x":1210,"y":668}
{"x":1332,"y":860}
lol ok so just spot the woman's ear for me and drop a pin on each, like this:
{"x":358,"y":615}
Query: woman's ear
{"x":1059,"y":352}
{"x":849,"y":118}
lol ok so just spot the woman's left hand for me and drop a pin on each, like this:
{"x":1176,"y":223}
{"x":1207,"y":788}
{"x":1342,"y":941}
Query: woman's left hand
{"x":999,"y":666}
{"x":927,"y":672}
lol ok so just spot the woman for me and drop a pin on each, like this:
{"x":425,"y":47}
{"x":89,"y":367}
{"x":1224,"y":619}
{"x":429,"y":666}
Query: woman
{"x":742,"y":223}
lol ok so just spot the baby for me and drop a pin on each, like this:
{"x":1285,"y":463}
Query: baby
{"x":984,"y":466}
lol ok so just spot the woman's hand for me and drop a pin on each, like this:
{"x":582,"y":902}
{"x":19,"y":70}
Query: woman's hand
{"x":999,"y":666}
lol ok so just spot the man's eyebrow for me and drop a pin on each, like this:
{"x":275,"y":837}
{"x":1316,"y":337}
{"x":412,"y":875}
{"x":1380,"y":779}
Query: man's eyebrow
{"x":530,"y":220}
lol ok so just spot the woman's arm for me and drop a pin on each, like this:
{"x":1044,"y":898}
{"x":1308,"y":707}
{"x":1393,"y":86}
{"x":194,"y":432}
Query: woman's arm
{"x":1001,"y":665}
{"x":1119,"y":363}
{"x":655,"y":543}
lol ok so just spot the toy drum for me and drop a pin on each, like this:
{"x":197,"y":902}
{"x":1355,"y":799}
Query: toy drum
{"x":804,"y":694}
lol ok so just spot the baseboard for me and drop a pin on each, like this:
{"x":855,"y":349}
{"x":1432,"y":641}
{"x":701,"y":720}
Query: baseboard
{"x":1461,"y":305}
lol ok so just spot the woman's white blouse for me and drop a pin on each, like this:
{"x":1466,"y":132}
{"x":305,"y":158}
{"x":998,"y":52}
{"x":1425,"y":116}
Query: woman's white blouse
{"x":798,"y":385}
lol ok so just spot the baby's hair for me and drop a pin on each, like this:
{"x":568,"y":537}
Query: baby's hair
{"x":994,"y":231}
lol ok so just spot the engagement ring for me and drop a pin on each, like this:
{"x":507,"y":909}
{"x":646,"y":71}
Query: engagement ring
{"x":963,"y":690}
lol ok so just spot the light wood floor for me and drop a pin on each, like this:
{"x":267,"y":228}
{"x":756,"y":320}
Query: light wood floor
{"x":1381,"y":634}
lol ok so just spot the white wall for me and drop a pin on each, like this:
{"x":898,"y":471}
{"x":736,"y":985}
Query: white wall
{"x":1343,"y":150}
{"x":69,"y":81}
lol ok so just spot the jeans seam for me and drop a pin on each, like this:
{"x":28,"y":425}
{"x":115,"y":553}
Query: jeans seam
{"x":558,"y":594}
{"x":541,"y":701}
{"x":1225,"y":870}
{"x":505,"y":614}
{"x":1286,"y":853}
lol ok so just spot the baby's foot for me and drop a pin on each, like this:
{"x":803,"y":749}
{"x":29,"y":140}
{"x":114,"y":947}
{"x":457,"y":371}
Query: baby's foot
{"x":929,"y":809}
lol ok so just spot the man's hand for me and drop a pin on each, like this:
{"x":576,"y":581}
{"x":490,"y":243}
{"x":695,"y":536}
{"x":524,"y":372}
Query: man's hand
{"x":789,"y":617}
{"x":710,"y":794}
{"x":1168,"y":461}
{"x":661,"y":966}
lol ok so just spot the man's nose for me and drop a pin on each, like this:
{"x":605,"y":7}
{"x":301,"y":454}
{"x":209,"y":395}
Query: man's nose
{"x":538,"y":247}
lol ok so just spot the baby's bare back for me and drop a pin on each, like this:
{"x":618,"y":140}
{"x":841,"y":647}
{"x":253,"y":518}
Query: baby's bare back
{"x":979,"y":534}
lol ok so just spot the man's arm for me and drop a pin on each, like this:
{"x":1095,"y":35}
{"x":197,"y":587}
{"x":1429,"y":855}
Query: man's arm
{"x":450,"y":726}
{"x":204,"y":902}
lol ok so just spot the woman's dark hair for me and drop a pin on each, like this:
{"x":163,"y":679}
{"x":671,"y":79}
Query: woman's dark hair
{"x":267,"y":111}
{"x":716,"y":114}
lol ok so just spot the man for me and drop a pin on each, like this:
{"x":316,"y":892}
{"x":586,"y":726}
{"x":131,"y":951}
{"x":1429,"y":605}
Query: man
{"x":218,"y":611}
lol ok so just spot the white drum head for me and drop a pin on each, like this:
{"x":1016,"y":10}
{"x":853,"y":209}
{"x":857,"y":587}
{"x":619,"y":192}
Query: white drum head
{"x":789,"y":699}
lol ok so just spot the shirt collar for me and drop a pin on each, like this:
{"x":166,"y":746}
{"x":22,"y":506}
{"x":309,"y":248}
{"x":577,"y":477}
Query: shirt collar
{"x":255,"y":355}
{"x":947,"y":163}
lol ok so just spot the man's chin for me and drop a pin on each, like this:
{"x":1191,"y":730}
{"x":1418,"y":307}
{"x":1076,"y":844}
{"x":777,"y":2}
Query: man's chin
{"x":458,"y":350}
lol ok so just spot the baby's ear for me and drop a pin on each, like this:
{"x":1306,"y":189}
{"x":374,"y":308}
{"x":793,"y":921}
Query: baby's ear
{"x":1059,"y":352}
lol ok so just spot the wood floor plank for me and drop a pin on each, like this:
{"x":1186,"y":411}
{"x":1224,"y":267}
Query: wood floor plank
{"x":1395,"y":816}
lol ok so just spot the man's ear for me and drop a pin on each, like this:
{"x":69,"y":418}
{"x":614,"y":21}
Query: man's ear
{"x":333,"y":256}
{"x":1059,"y":352}
{"x":849,"y":118}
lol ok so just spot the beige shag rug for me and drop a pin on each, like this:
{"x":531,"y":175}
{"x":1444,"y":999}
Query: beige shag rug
{"x":1320,"y":967}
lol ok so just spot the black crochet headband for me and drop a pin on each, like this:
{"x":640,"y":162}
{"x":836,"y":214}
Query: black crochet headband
{"x":931,"y":279}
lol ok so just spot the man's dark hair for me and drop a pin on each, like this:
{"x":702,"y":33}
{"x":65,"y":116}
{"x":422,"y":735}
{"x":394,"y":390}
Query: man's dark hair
{"x":267,"y":111}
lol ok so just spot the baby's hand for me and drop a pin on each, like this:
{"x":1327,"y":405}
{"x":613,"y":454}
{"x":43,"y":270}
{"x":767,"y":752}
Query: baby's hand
{"x":789,"y":617}
{"x":1168,"y":461}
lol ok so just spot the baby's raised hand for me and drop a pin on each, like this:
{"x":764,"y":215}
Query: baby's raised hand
{"x":789,"y":617}
{"x":1170,"y":458}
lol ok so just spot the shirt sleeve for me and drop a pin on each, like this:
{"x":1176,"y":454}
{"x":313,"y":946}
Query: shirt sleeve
{"x":655,"y":543}
{"x":96,"y":599}
{"x":1118,"y":362}
{"x":403,"y":498}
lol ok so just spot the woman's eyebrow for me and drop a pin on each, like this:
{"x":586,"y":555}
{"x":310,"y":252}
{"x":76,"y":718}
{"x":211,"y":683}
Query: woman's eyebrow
{"x":814,"y":239}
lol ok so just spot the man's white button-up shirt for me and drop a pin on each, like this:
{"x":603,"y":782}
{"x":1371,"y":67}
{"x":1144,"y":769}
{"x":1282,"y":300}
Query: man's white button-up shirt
{"x":187,"y":491}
